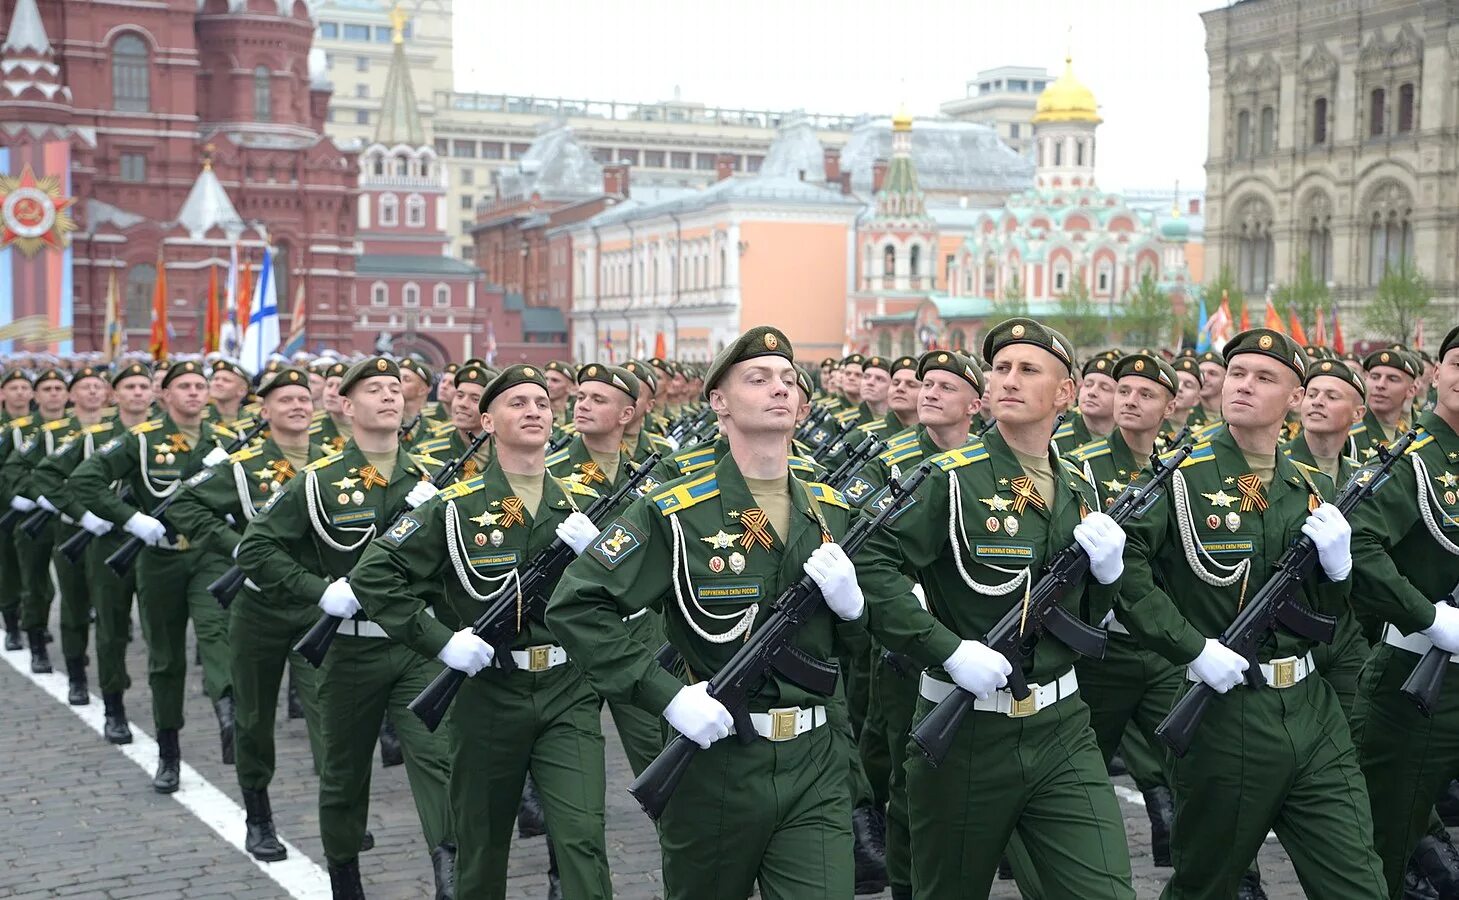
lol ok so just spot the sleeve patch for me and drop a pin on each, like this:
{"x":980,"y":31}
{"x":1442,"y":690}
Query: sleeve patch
{"x":199,"y":478}
{"x":858,"y":489}
{"x":617,"y":542}
{"x":402,"y":530}
{"x":885,"y":498}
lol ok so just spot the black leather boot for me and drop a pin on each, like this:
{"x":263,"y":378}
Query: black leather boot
{"x":1437,"y":859}
{"x":554,"y":882}
{"x":530,"y":821}
{"x":115,"y":730}
{"x":223,"y":706}
{"x":1415,"y":885}
{"x":344,"y":881}
{"x":390,"y":752}
{"x":1448,"y":805}
{"x":12,"y":631}
{"x":1116,"y":765}
{"x":367,"y":842}
{"x":1250,"y":887}
{"x":443,"y":863}
{"x":868,"y":852}
{"x":1161,"y":809}
{"x":169,"y":762}
{"x":40,"y":660}
{"x":296,"y":706}
{"x":79,"y":693}
{"x":261,"y":840}
{"x":1005,"y":869}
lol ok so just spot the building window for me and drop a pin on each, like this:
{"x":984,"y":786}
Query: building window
{"x":134,"y":167}
{"x":415,"y":211}
{"x":389,"y":209}
{"x":329,"y":30}
{"x":468,"y":252}
{"x":990,"y":276}
{"x":1102,"y":277}
{"x":357,"y":32}
{"x":1390,"y":244}
{"x":753,"y":163}
{"x":464,"y":149}
{"x":678,"y":160}
{"x":1376,"y":100}
{"x":914,"y":262}
{"x":468,"y":202}
{"x":410,"y":295}
{"x":1058,"y":153}
{"x":141,"y":284}
{"x":889,"y":260}
{"x":362,"y":63}
{"x":1079,"y":153}
{"x":131,"y":89}
{"x":1319,"y":249}
{"x":383,"y":34}
{"x":492,"y":150}
{"x":1319,"y":121}
{"x":1255,"y":251}
{"x":362,"y":92}
{"x":627,"y":156}
{"x":378,"y":294}
{"x":704,"y":162}
{"x":362,"y":117}
{"x":1268,"y":129}
{"x":1405,"y":108}
{"x":519,"y":149}
{"x":1243,"y":134}
{"x":948,"y":263}
{"x":653,"y":159}
{"x":263,"y":99}
{"x":1061,"y":276}
{"x":1013,"y":131}
{"x":443,"y":295}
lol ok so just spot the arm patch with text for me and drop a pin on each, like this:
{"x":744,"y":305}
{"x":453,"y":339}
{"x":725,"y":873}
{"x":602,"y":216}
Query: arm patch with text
{"x":402,"y":530}
{"x":616,"y":543}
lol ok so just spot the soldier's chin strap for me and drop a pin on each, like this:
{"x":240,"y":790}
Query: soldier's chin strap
{"x":680,"y":567}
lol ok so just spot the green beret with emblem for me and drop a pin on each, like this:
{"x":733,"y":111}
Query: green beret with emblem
{"x":472,"y":373}
{"x":336,"y":370}
{"x":178,"y":369}
{"x":1270,"y":343}
{"x":1099,"y":365}
{"x":1020,"y":330}
{"x":272,"y":367}
{"x":828,"y":363}
{"x":1451,"y":340}
{"x":762,"y":340}
{"x":450,"y":368}
{"x":87,"y":372}
{"x":613,"y":376}
{"x":50,"y":375}
{"x":1335,"y":368}
{"x":1190,"y":366}
{"x":644,"y":373}
{"x":903,"y":362}
{"x":162,"y":365}
{"x":286,"y":376}
{"x":417,"y":368}
{"x":368,"y":368}
{"x":1148,"y":365}
{"x":878,"y":362}
{"x":224,"y":365}
{"x":511,"y":376}
{"x":1394,"y":358}
{"x":954,"y":362}
{"x":560,"y":367}
{"x":1211,"y":356}
{"x":320,"y":365}
{"x":133,"y":369}
{"x":803,"y":381}
{"x":853,"y":359}
{"x":16,"y":374}
{"x":1186,"y":353}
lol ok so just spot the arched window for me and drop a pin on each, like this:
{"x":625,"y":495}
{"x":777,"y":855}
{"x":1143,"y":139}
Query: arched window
{"x":1376,"y":101}
{"x":1319,"y":121}
{"x":131,"y":89}
{"x":1268,"y":129}
{"x":1243,"y":134}
{"x":410,"y":296}
{"x":379,"y":294}
{"x":389,"y":209}
{"x":1058,"y":153}
{"x":141,"y":284}
{"x":443,"y":295}
{"x":1104,"y":276}
{"x":263,"y":95}
{"x":889,"y":260}
{"x":1390,"y":230}
{"x":1255,"y":251}
{"x":990,"y":276}
{"x":723,"y":266}
{"x":415,"y":211}
{"x":914,"y":262}
{"x":1061,"y":276}
{"x":1078,"y":153}
{"x":1317,"y":216}
{"x":1405,"y":108}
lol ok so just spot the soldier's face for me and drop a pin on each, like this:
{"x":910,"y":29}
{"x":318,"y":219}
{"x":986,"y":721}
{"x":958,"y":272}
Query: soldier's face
{"x":1330,"y":406}
{"x":875,"y":383}
{"x":227,"y":387}
{"x":331,"y":395}
{"x":134,"y":394}
{"x":413,"y":388}
{"x":757,"y":396}
{"x":186,"y":395}
{"x":1258,"y":391}
{"x":519,"y":418}
{"x":1390,"y":391}
{"x":902,"y":395}
{"x":288,"y":409}
{"x":1190,"y":391}
{"x":1446,"y":379}
{"x":851,"y":382}
{"x":316,"y":388}
{"x":1097,"y":395}
{"x":945,"y":399}
{"x":88,"y":395}
{"x":601,"y":409}
{"x":446,"y":393}
{"x":1213,"y":377}
{"x":1028,"y":384}
{"x":17,"y":395}
{"x":1141,"y":404}
{"x":466,"y":406}
{"x":374,"y":404}
{"x":558,"y":386}
{"x":50,"y":396}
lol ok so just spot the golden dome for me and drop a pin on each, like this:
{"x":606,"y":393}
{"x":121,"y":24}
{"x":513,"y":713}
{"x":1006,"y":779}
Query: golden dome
{"x":902,"y":121}
{"x":1067,"y":100}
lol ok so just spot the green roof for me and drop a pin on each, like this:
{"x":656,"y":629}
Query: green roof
{"x":543,"y":320}
{"x":405,"y":264}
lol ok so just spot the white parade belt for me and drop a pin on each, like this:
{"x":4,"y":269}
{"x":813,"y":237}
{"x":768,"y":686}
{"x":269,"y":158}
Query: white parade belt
{"x":788,"y":723}
{"x":366,"y":629}
{"x":1413,"y":643}
{"x":1040,"y":696}
{"x":537,"y":659}
{"x":1280,"y":673}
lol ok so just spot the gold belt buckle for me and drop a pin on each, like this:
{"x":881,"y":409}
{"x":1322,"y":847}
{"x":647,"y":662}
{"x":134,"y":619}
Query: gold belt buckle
{"x":537,"y":659}
{"x":782,"y":724}
{"x":1025,"y":707}
{"x":1284,"y":673}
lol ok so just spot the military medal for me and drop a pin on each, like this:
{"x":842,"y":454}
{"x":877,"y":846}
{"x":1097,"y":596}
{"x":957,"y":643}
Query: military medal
{"x":1448,"y":479}
{"x":371,"y":477}
{"x":991,"y":524}
{"x":1252,"y":499}
{"x":513,"y":512}
{"x":1010,"y":525}
{"x":737,"y":562}
{"x":996,"y":503}
{"x":757,"y":530}
{"x":160,"y":458}
{"x":171,"y":458}
{"x":358,"y":497}
{"x":1233,"y":521}
{"x":1450,"y":497}
{"x":497,"y":537}
{"x":343,"y":498}
{"x":1220,"y":499}
{"x":1213,"y":521}
{"x":720,"y":541}
{"x":480,"y":539}
{"x":1025,"y":494}
{"x":716,"y":564}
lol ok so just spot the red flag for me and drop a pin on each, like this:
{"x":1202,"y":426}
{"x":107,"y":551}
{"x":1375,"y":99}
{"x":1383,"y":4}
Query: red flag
{"x":158,"y":343}
{"x":1418,"y":336}
{"x":1246,"y":317}
{"x":210,"y":314}
{"x":243,"y":301}
{"x":1273,"y":321}
{"x":1338,"y":345}
{"x":1299,"y":334}
{"x":1319,"y":331}
{"x":661,"y":349}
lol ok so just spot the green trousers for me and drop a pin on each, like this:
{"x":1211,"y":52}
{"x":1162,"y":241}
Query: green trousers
{"x":172,"y":587}
{"x":36,"y":587}
{"x":1270,"y":759}
{"x":776,"y":813}
{"x":111,"y":595}
{"x":1130,"y":686}
{"x":505,"y":725}
{"x":10,"y":590}
{"x":640,"y":731}
{"x":877,"y":735}
{"x":360,"y":679}
{"x":74,"y":585}
{"x":894,"y":700}
{"x":1041,"y":778}
{"x":261,"y":638}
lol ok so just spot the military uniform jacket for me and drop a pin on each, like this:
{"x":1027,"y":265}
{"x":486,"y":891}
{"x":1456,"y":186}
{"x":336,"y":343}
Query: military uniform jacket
{"x":882,"y":427}
{"x":1367,"y":436}
{"x":1412,"y":518}
{"x":689,"y":462}
{"x":13,"y":442}
{"x":150,"y":458}
{"x":1298,"y":450}
{"x":1109,"y":464}
{"x":696,"y":551}
{"x":1214,"y":513}
{"x":43,"y":440}
{"x":314,"y":530}
{"x":450,"y":447}
{"x":326,"y":431}
{"x":906,"y":452}
{"x":975,"y":538}
{"x":51,"y":476}
{"x":575,"y":463}
{"x":471,"y":537}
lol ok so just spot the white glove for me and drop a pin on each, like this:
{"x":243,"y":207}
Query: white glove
{"x":22,"y":504}
{"x":419,"y":494}
{"x":577,"y":531}
{"x":338,"y":599}
{"x":698,"y":716}
{"x":1333,"y":536}
{"x":46,"y":505}
{"x":835,"y":574}
{"x":1219,"y":666}
{"x":215,"y":456}
{"x":673,"y":444}
{"x":465,"y":652}
{"x":149,"y":530}
{"x":1104,"y":540}
{"x":94,"y":523}
{"x":1445,"y":630}
{"x":978,"y":669}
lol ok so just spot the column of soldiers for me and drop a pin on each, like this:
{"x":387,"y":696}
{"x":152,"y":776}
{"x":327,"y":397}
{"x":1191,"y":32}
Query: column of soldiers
{"x":681,"y":502}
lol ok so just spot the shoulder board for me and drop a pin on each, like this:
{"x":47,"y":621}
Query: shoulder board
{"x":1304,"y":467}
{"x":21,"y":422}
{"x":56,"y":424}
{"x":696,"y":457}
{"x":324,"y":462}
{"x":1091,"y":450}
{"x":316,"y":427}
{"x":1064,"y":431}
{"x":573,"y":487}
{"x":824,"y":493}
{"x":432,"y":445}
{"x":900,"y":454}
{"x":443,"y":429}
{"x":685,"y":494}
{"x":1202,"y":452}
{"x":245,"y":454}
{"x":1074,"y":470}
{"x":800,"y":464}
{"x":1286,"y":451}
{"x":955,"y":459}
{"x":462,"y":488}
{"x":557,"y":458}
{"x":847,"y":415}
{"x":902,"y":437}
{"x":1358,"y":428}
{"x":827,"y":401}
{"x":147,"y":427}
{"x":225,"y":431}
{"x":658,"y":442}
{"x":425,"y":459}
{"x":1421,"y":441}
{"x":872,"y":427}
{"x":98,"y":428}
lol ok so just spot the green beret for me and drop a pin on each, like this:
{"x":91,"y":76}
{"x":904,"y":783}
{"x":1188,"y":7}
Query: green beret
{"x":16,"y":374}
{"x":368,"y":368}
{"x":87,"y":372}
{"x":419,"y":369}
{"x":272,"y":367}
{"x":223,"y":365}
{"x":878,"y":362}
{"x":1099,"y":365}
{"x":472,"y":373}
{"x":336,"y":370}
{"x":1352,"y":356}
{"x":1451,"y":340}
{"x":658,"y":362}
{"x":562,"y":368}
{"x":828,"y":363}
{"x":644,"y":373}
{"x":954,"y":362}
{"x":284,"y":377}
{"x":1021,"y":330}
{"x":853,"y":359}
{"x":177,"y":370}
{"x":803,"y":381}
{"x":1271,"y":343}
{"x":762,"y":340}
{"x":1339,"y":370}
{"x":904,"y":362}
{"x":131,"y":370}
{"x":450,"y":368}
{"x":1396,"y":358}
{"x":162,"y":365}
{"x":613,"y":376}
{"x":50,"y":375}
{"x":1186,"y":353}
{"x":1211,"y":356}
{"x":510,"y":377}
{"x":321,"y":365}
{"x":1190,"y":366}
{"x":1148,"y":365}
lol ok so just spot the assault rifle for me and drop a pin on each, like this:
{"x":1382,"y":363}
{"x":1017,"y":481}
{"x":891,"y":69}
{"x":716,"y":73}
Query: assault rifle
{"x":769,"y":648}
{"x":858,"y":457}
{"x":1427,"y":678}
{"x":832,"y":441}
{"x":562,"y":441}
{"x":1042,"y":612}
{"x":818,"y":415}
{"x":499,"y":624}
{"x":688,"y":425}
{"x":1277,"y":603}
{"x":74,"y":546}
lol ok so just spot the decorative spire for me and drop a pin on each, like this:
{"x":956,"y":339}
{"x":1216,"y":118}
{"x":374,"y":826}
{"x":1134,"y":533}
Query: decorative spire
{"x":28,"y":68}
{"x":399,"y":111}
{"x":27,"y":31}
{"x":398,"y":18}
{"x":900,"y":196}
{"x":207,"y":205}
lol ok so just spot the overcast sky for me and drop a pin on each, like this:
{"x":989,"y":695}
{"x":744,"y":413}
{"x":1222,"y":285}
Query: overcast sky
{"x":1145,"y":60}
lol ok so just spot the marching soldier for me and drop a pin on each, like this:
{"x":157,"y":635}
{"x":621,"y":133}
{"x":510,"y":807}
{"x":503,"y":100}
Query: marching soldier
{"x":331,"y":427}
{"x":172,"y":576}
{"x":1095,"y":416}
{"x":227,"y":389}
{"x":415,"y":386}
{"x":1187,"y":397}
{"x":711,"y":551}
{"x":562,"y":380}
{"x":468,"y":383}
{"x":1392,"y":386}
{"x":1279,"y":757}
{"x":1213,"y":379}
{"x":638,"y":436}
{"x":302,"y":546}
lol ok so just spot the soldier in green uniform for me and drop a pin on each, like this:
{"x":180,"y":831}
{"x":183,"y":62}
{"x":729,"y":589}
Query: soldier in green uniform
{"x":302,"y":546}
{"x":227,"y":389}
{"x":711,"y":551}
{"x":562,"y":380}
{"x":1095,"y":417}
{"x":331,"y":427}
{"x":1392,"y":384}
{"x":468,"y":383}
{"x":1030,"y":768}
{"x":172,"y":576}
{"x":16,"y":393}
{"x":1213,"y":379}
{"x":1279,"y":757}
{"x":1187,"y":397}
{"x":415,"y":384}
{"x":639,"y":436}
{"x":214,"y":507}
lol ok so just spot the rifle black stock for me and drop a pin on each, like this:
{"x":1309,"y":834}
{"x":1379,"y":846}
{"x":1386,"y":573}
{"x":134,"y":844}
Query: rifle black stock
{"x":497,"y":626}
{"x":853,"y":462}
{"x":74,"y":546}
{"x":35,"y":523}
{"x":1427,"y":678}
{"x":1277,"y":603}
{"x":770,"y":647}
{"x":1042,"y":612}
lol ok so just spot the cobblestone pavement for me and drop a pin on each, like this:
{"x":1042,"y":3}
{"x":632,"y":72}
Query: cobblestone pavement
{"x":81,"y":820}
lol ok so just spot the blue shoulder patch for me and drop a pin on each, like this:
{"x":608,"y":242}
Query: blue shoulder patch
{"x":616,"y":543}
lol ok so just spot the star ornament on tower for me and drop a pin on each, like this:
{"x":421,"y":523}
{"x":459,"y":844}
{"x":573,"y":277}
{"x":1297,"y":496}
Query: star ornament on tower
{"x":34,"y":213}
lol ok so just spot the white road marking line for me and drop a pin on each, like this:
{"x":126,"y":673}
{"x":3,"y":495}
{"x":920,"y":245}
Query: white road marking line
{"x":299,"y":875}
